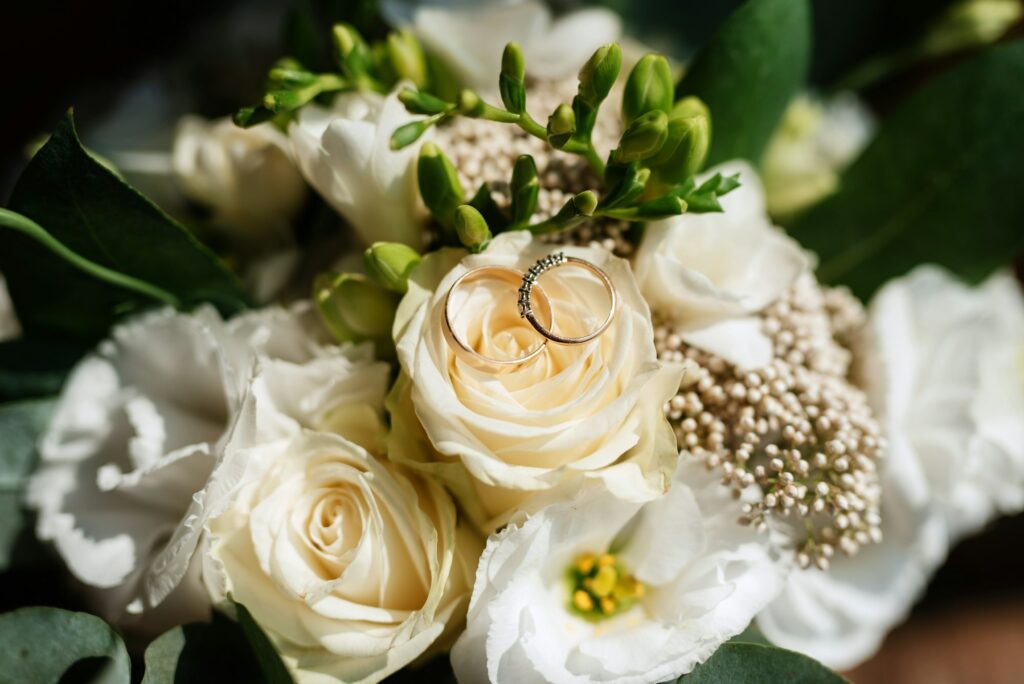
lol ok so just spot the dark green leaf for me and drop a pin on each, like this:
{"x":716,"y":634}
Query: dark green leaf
{"x":940,"y":183}
{"x":20,"y":426}
{"x":91,"y":213}
{"x":271,"y":665}
{"x":202,"y":653}
{"x":736,"y":663}
{"x":41,"y":644}
{"x":35,"y":367}
{"x":747,"y":74}
{"x":484,"y":202}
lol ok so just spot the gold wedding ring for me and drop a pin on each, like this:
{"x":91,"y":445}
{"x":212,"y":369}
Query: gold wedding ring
{"x":466,"y":352}
{"x":529,"y":285}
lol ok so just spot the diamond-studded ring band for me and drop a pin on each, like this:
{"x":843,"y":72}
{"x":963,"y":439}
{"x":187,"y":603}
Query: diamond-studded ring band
{"x":466,"y":352}
{"x":529,"y":285}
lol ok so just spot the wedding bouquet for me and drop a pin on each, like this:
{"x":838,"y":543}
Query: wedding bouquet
{"x":482,"y":340}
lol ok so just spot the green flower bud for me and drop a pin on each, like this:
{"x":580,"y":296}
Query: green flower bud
{"x":472,"y":229}
{"x":684,"y":151}
{"x":351,"y":52}
{"x":470,"y":104}
{"x":511,"y":82}
{"x":524,"y":189}
{"x":648,"y":88}
{"x":439,"y":186}
{"x":355,"y":309}
{"x":290,"y":77}
{"x":561,"y":126}
{"x":407,"y":58}
{"x":599,"y":73}
{"x":409,"y":133}
{"x":390,"y":263}
{"x":419,"y":102}
{"x":643,"y":138}
{"x":577,"y":210}
{"x":690,"y":106}
{"x":658,"y":208}
{"x":287,"y":100}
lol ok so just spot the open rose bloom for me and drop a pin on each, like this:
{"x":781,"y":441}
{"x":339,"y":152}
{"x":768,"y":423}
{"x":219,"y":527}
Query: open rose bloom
{"x":487,"y":344}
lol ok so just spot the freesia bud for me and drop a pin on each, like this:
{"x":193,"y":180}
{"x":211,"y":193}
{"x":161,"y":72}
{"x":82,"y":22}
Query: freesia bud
{"x":690,"y":106}
{"x":472,"y":229}
{"x":511,"y":82}
{"x":599,"y":73}
{"x":439,"y":186}
{"x":407,"y":58}
{"x":524,"y":189}
{"x":648,"y":88}
{"x":643,"y":138}
{"x":419,"y":102}
{"x":685,"y":149}
{"x":470,"y":104}
{"x":351,"y":51}
{"x":354,"y":309}
{"x":390,"y":263}
{"x":561,"y":126}
{"x":574,"y":212}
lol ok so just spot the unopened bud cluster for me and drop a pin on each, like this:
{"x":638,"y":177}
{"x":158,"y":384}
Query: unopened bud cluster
{"x":796,"y":430}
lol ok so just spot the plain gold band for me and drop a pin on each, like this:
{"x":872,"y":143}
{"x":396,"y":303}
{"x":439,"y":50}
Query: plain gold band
{"x":467,"y":353}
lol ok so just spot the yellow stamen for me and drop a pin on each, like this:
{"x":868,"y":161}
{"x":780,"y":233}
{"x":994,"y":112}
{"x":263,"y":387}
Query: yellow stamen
{"x":585,"y":563}
{"x":608,"y":605}
{"x":606,"y":560}
{"x":582,"y":601}
{"x":605,"y":580}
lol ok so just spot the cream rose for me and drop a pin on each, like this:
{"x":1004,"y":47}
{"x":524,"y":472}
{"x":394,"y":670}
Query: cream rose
{"x":124,"y":477}
{"x":591,"y":411}
{"x":354,"y":567}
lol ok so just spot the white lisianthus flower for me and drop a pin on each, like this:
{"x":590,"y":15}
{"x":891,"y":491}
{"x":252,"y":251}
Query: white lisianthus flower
{"x":246,"y":177}
{"x":683,"y":577}
{"x":345,"y":154}
{"x":353,"y":566}
{"x":709,"y":273}
{"x":578,"y":412}
{"x":840,"y":616}
{"x":949,"y":381}
{"x":944,"y":368}
{"x":470,"y":37}
{"x":137,"y":432}
{"x":814,"y":143}
{"x":9,"y":326}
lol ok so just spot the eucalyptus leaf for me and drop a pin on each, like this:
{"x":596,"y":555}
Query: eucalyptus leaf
{"x":747,"y":74}
{"x":35,"y":367}
{"x":93,"y":229}
{"x":201,"y":653}
{"x":940,"y":183}
{"x":20,"y":426}
{"x":270,"y":663}
{"x":759,"y":664}
{"x":42,"y":645}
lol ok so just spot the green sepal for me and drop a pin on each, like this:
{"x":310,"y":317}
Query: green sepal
{"x":484,"y":202}
{"x":525,"y":188}
{"x":511,"y":82}
{"x":440,"y":187}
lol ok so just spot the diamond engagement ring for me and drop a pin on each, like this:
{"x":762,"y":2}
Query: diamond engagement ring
{"x":529,"y":284}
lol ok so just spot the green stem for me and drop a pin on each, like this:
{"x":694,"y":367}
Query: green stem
{"x":531,"y":126}
{"x":28,"y":227}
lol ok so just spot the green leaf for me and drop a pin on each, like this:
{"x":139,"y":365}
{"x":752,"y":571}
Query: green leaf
{"x":271,"y":665}
{"x":747,"y":74}
{"x":940,"y":183}
{"x":43,"y":644}
{"x":757,"y":664}
{"x":110,"y":231}
{"x":20,"y":426}
{"x":202,"y":653}
{"x":35,"y":367}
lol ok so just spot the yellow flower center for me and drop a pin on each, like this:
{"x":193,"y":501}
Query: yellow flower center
{"x":600,"y":587}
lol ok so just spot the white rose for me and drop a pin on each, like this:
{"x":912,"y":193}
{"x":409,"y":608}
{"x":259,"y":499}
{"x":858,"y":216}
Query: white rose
{"x":709,"y":273}
{"x":345,"y":154}
{"x":703,"y":579}
{"x":9,"y":326}
{"x":949,"y":380}
{"x":136,"y":435}
{"x":246,"y":176}
{"x":579,"y":412}
{"x":354,"y":567}
{"x":471,"y":37}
